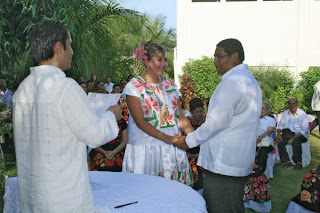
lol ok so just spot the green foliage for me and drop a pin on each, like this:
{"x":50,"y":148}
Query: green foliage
{"x":104,"y":36}
{"x":305,"y":87}
{"x":203,"y":76}
{"x":276,"y":85}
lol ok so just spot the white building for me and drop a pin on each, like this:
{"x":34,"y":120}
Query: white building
{"x":273,"y":32}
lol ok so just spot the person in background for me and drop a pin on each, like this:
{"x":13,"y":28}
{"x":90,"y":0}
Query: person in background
{"x":81,"y":79}
{"x":155,"y":117}
{"x":197,"y":118}
{"x":51,"y":114}
{"x":228,"y":136}
{"x":293,"y":129}
{"x":315,"y":104}
{"x":99,"y":88}
{"x":84,"y":87}
{"x":5,"y":93}
{"x":185,"y":111}
{"x":108,"y":86}
{"x":129,"y":78}
{"x":90,"y":86}
{"x":116,"y":88}
{"x":93,"y":78}
{"x":122,"y":84}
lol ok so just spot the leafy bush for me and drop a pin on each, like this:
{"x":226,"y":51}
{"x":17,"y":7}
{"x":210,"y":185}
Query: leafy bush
{"x":199,"y":80}
{"x":305,"y":87}
{"x":276,"y":84}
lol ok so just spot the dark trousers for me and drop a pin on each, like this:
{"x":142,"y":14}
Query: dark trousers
{"x":297,"y":151}
{"x":262,"y":157}
{"x":224,"y":193}
{"x":315,"y":122}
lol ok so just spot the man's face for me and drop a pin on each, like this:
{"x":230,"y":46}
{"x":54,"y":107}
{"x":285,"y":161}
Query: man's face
{"x":222,"y":61}
{"x":292,"y":105}
{"x":67,"y":54}
{"x":108,"y":79}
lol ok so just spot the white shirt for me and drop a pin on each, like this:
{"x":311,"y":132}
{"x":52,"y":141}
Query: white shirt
{"x":297,"y":123}
{"x":228,"y":136}
{"x":52,"y":127}
{"x":108,"y":87}
{"x":315,"y":104}
{"x":264,"y":123}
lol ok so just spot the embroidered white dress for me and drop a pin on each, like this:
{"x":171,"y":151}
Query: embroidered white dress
{"x":145,"y":154}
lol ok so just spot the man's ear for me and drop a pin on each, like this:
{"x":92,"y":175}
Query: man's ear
{"x":235,"y":58}
{"x":58,"y":48}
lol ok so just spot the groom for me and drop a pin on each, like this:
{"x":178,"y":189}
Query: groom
{"x":228,"y":136}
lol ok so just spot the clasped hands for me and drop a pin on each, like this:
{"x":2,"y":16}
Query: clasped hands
{"x":180,"y":141}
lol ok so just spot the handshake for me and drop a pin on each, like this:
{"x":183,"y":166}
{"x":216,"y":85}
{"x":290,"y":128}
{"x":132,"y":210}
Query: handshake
{"x":180,"y":141}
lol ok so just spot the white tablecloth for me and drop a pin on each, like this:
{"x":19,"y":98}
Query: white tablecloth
{"x":154,"y":194}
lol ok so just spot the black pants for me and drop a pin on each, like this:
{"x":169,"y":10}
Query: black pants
{"x":224,"y":193}
{"x":297,"y":151}
{"x":315,"y":123}
{"x":262,"y":157}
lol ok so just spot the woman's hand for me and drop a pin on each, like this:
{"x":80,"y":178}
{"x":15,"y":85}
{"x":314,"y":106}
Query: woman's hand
{"x":109,"y":155}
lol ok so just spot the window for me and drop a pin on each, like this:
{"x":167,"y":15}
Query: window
{"x":205,"y":0}
{"x":240,"y":0}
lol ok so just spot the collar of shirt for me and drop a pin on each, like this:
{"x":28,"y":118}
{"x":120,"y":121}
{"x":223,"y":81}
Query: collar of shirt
{"x":3,"y":93}
{"x":42,"y":70}
{"x":235,"y":69}
{"x":298,"y":112}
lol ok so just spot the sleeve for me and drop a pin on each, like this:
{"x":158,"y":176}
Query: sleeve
{"x":83,"y":122}
{"x":131,"y":89}
{"x":305,"y":129}
{"x":224,"y":102}
{"x":272,"y":122}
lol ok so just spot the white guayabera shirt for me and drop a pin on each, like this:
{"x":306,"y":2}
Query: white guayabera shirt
{"x":228,"y":136}
{"x":52,"y":127}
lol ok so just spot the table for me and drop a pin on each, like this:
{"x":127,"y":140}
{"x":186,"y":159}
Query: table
{"x":154,"y":194}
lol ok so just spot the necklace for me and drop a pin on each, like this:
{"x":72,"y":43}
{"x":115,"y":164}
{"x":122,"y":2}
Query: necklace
{"x":164,"y":112}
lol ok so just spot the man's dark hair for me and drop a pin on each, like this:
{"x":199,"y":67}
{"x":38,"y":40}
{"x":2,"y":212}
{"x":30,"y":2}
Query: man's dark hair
{"x":231,"y":46}
{"x":116,"y":85}
{"x":44,"y":35}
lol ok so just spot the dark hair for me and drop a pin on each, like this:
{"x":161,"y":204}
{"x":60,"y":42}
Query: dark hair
{"x":116,"y":85}
{"x":129,"y":76}
{"x":153,"y":49}
{"x":82,"y":83}
{"x":44,"y":35}
{"x":195,"y":103}
{"x":231,"y":46}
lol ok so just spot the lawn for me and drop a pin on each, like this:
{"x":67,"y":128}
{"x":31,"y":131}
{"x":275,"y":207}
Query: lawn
{"x":285,"y":184}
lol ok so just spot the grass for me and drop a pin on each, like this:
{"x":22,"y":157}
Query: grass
{"x":284,"y":186}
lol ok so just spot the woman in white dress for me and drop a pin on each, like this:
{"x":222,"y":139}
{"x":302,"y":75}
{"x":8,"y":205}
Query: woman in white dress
{"x":155,"y":117}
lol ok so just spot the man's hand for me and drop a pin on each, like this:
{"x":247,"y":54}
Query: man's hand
{"x":117,"y":111}
{"x":278,"y":139}
{"x":290,"y":141}
{"x":181,"y":143}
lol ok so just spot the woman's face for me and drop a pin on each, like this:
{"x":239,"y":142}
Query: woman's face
{"x":264,"y":111}
{"x":198,"y":113}
{"x":157,"y":65}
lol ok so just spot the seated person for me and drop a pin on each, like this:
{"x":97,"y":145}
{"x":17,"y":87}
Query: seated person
{"x":266,"y":127}
{"x":308,"y":198}
{"x":293,"y":129}
{"x":257,"y":188}
{"x":84,"y":86}
{"x":197,"y":118}
{"x":99,"y":88}
{"x":5,"y":93}
{"x":109,"y":157}
{"x":90,"y":86}
{"x":116,"y":89}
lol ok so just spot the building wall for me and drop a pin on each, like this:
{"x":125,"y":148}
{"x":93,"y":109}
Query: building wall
{"x":278,"y":33}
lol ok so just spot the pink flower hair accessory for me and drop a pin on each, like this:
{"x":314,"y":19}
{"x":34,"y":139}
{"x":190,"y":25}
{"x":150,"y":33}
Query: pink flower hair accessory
{"x":140,"y":53}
